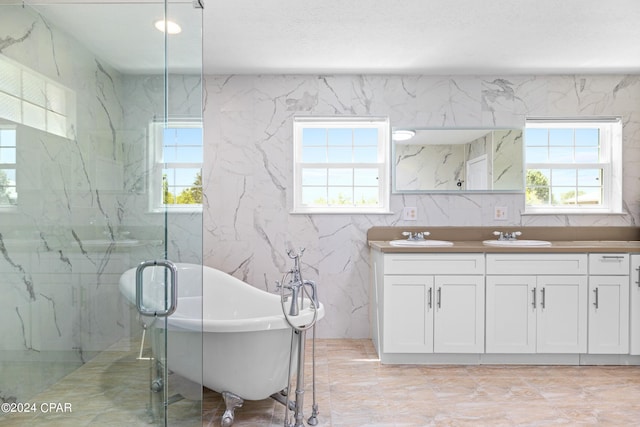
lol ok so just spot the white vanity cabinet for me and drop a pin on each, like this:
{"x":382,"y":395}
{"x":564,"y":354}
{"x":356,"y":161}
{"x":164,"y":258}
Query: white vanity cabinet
{"x":433,"y":303}
{"x":536,"y":303}
{"x":608,"y":304}
{"x":634,"y":314}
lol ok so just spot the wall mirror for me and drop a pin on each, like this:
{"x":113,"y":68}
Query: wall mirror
{"x":430,"y":160}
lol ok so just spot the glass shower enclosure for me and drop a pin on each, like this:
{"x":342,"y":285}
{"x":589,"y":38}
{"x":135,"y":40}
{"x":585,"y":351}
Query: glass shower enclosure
{"x":100,"y":160}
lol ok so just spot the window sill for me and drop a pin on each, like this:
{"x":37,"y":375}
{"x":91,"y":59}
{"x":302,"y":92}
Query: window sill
{"x":179,"y":210}
{"x":572,"y":212}
{"x":340,"y":212}
{"x":9,"y":209}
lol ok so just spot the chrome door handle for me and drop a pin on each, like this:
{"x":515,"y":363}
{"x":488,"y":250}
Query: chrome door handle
{"x":544,"y":298}
{"x":638,"y":281}
{"x":439,"y":302}
{"x":173,"y":289}
{"x":430,"y":297}
{"x":534,"y":302}
{"x":595,"y":303}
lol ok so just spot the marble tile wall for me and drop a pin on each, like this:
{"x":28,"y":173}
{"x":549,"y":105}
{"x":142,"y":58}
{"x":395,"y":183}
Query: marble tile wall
{"x":248,"y":170}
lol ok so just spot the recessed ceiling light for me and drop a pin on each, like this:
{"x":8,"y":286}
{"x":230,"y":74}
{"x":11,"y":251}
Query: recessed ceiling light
{"x":172,"y":27}
{"x":403,"y":134}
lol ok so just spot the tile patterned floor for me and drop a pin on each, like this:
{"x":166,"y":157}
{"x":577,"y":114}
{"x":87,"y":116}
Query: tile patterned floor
{"x":355,"y":390}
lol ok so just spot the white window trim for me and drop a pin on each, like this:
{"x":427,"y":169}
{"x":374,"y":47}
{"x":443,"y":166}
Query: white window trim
{"x":14,"y":166}
{"x":611,"y":146}
{"x":156,"y":165}
{"x":384,"y":136}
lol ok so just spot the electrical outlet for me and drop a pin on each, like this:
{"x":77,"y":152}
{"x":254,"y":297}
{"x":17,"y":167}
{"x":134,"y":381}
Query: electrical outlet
{"x":500,"y":213}
{"x":410,"y":214}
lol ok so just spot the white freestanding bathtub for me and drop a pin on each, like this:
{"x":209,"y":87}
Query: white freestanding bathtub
{"x":245,"y":341}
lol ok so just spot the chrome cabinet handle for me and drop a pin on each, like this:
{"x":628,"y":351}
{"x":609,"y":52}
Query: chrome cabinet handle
{"x":171,"y":304}
{"x":543,"y":303}
{"x":430,"y":297}
{"x":618,"y":258}
{"x":439,"y":302}
{"x":638,"y":281}
{"x":533,"y":291}
{"x":595,"y":303}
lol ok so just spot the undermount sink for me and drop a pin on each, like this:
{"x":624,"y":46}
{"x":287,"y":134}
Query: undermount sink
{"x":516,"y":243}
{"x":420,"y":243}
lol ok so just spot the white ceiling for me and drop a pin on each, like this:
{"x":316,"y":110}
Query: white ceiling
{"x":371,"y":36}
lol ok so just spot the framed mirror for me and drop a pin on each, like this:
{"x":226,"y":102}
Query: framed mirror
{"x":440,"y":160}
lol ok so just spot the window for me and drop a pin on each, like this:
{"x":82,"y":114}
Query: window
{"x":176,"y":181}
{"x":341,"y":165}
{"x":34,"y":100}
{"x":573,"y":165}
{"x":8,"y":189}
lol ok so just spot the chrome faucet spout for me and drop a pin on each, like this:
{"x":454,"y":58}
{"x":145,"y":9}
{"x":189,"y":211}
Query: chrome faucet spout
{"x":513,"y":235}
{"x":419,"y":235}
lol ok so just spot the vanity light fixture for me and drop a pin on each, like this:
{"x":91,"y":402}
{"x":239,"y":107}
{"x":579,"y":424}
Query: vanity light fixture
{"x":171,"y":27}
{"x":402,"y":134}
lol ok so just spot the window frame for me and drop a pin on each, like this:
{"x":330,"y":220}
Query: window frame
{"x":56,"y":101}
{"x":156,"y":165}
{"x":382,"y":165}
{"x":11,"y":166}
{"x":610,"y":161}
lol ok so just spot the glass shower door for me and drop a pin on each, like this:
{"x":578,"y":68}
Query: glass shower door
{"x":91,"y":95}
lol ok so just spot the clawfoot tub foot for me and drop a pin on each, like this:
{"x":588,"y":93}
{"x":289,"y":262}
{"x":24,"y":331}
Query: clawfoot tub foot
{"x":231,"y":402}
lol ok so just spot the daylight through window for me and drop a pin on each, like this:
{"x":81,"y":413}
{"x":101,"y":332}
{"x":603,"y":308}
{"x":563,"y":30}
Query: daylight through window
{"x":177,"y":182}
{"x":341,"y":165}
{"x":573,"y":165}
{"x":8,"y":188}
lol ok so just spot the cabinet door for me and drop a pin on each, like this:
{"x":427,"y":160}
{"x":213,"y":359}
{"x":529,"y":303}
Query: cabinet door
{"x":459,"y":314}
{"x":609,"y":314}
{"x":511,"y":314}
{"x":634,"y":294}
{"x":562,"y":314}
{"x":408,"y":314}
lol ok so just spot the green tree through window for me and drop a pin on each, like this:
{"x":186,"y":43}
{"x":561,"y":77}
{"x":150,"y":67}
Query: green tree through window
{"x":189,"y":196}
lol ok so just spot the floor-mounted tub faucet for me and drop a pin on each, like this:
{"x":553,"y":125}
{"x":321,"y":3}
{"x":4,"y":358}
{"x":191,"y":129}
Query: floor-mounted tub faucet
{"x":296,"y":281}
{"x":294,"y":287}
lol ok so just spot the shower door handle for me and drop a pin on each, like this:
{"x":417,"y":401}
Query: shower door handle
{"x":173,"y":289}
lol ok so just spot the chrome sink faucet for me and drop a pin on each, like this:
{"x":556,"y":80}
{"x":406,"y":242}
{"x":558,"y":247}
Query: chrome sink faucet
{"x":416,"y":236}
{"x":507,"y":235}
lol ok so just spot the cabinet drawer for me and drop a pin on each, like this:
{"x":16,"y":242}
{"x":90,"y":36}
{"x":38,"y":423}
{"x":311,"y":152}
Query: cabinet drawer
{"x":616,"y":264}
{"x":538,"y":264}
{"x":434,"y":264}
